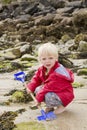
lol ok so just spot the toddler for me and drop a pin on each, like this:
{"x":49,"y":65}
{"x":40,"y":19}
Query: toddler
{"x":52,"y":82}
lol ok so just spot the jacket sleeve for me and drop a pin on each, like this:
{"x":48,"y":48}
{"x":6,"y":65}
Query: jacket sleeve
{"x":35,"y":81}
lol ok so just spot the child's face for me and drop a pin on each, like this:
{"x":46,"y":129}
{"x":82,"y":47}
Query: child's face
{"x":48,"y":61}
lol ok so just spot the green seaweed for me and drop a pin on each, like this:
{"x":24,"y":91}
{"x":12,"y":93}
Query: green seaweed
{"x":77,"y":85}
{"x":20,"y":96}
{"x":82,"y":71}
{"x":30,"y":126}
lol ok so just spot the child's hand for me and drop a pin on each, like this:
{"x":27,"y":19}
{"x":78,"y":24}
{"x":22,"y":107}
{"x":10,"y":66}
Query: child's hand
{"x":37,"y":104}
{"x":28,"y":90}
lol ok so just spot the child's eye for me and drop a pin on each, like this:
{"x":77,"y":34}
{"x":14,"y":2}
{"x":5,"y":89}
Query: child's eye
{"x":43,"y":58}
{"x":50,"y":58}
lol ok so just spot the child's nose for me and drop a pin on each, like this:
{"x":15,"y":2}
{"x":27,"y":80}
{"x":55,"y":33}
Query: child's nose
{"x":47,"y":60}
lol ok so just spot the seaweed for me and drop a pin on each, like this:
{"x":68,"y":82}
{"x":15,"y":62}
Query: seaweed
{"x":7,"y":119}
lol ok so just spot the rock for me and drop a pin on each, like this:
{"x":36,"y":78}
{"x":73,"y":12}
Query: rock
{"x":58,"y":3}
{"x":26,"y":49}
{"x":82,"y":71}
{"x":80,"y":18}
{"x":11,"y":54}
{"x":28,"y":57}
{"x":82,"y":46}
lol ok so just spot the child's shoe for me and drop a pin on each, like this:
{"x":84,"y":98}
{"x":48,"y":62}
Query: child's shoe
{"x":49,"y":109}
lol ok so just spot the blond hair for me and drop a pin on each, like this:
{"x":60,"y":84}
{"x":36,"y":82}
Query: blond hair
{"x":48,"y":49}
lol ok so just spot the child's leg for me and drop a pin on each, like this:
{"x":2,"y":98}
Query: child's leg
{"x":59,"y":109}
{"x":52,"y":100}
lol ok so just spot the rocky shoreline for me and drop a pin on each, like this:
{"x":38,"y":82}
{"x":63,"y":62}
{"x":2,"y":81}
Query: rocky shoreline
{"x":25,"y":25}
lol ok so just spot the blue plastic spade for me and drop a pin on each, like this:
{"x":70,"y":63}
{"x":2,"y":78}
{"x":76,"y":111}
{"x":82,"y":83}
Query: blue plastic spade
{"x":20,"y":76}
{"x":44,"y":116}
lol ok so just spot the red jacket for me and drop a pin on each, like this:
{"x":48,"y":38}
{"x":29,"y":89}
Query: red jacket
{"x":59,"y":80}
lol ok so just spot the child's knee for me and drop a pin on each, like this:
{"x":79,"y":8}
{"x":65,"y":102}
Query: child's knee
{"x":37,"y":89}
{"x":48,"y":97}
